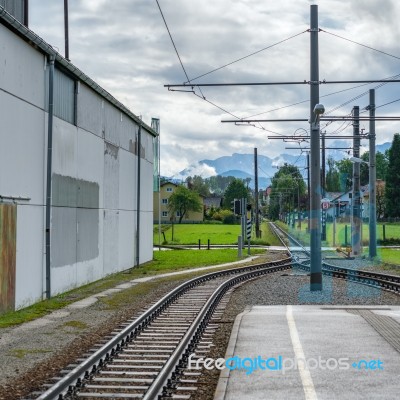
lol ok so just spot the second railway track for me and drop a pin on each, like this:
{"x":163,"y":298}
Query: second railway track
{"x":301,"y":259}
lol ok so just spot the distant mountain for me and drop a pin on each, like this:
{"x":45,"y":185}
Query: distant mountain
{"x":383,"y":147}
{"x":242,"y":165}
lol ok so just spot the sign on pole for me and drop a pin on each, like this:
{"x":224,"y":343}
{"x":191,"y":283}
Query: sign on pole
{"x":248,"y":229}
{"x":325,"y":203}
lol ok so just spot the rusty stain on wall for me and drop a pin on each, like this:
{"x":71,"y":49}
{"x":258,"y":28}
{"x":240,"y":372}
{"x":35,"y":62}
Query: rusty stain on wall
{"x":8,"y":252}
{"x":111,"y":150}
{"x":133,"y":148}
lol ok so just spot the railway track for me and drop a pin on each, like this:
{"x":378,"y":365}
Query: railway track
{"x":301,"y":259}
{"x":147,"y":358}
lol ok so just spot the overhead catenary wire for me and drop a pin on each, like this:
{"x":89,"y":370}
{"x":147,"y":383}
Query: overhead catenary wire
{"x":247,"y":56}
{"x":184,"y":70}
{"x":360,"y":44}
{"x":189,"y":81}
{"x":172,"y":40}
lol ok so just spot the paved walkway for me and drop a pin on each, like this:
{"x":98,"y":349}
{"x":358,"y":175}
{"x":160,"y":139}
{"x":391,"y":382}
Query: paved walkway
{"x":313,"y":352}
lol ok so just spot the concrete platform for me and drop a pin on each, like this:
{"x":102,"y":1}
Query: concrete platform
{"x":313,"y":352}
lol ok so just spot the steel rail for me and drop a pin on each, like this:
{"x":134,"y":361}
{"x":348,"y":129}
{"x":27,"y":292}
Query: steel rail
{"x":375,"y":279}
{"x":179,"y":357}
{"x":74,"y":379}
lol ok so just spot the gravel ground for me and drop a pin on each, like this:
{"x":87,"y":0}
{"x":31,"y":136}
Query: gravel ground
{"x":31,"y":353}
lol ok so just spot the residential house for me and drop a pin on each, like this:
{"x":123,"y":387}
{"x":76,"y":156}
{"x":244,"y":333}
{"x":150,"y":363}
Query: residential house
{"x":161,"y":201}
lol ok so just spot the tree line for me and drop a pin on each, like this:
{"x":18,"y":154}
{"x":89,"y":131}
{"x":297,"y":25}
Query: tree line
{"x":289,"y":190}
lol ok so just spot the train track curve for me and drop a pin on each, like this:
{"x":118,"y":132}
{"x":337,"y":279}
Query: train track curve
{"x":147,"y":358}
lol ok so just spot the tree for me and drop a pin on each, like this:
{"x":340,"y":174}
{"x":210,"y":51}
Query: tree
{"x":286,"y":185}
{"x":345,"y":168}
{"x":235,"y":190}
{"x":382,"y":160}
{"x":198,"y":185}
{"x":332,"y":180}
{"x":219,"y":183}
{"x":184,"y":200}
{"x":392,"y":187}
{"x":380,"y":198}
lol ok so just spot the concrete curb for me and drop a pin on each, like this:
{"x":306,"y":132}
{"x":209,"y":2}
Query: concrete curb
{"x":222,"y":385}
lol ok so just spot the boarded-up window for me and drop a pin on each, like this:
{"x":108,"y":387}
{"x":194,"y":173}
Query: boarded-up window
{"x":8,"y":253}
{"x":64,"y":96}
{"x":16,"y":8}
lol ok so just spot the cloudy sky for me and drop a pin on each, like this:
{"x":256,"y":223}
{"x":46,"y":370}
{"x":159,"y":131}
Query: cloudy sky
{"x":125,"y":47}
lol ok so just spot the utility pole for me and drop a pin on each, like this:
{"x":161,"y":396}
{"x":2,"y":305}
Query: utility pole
{"x":323,"y":235}
{"x":356,"y":214}
{"x":372,"y":176}
{"x":26,"y":13}
{"x":308,"y":192}
{"x":256,"y":193}
{"x":315,"y":203}
{"x":66,"y":29}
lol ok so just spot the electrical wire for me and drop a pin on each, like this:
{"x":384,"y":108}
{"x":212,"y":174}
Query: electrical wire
{"x":361,"y":44}
{"x":172,"y":40}
{"x":323,"y":96}
{"x":217,"y":106}
{"x":383,"y":105}
{"x":184,"y":70}
{"x":338,"y":130}
{"x":247,"y":56}
{"x":360,"y":95}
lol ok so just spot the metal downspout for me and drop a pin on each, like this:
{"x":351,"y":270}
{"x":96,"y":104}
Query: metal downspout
{"x":49,"y":173}
{"x":139,"y":150}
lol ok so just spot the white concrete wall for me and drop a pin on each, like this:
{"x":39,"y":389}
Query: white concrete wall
{"x":94,"y":179}
{"x":22,"y":154}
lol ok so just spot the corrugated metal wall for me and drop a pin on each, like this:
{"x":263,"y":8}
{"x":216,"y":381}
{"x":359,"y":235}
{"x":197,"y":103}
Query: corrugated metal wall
{"x":8,"y":252}
{"x":15,"y":7}
{"x":64,"y":96}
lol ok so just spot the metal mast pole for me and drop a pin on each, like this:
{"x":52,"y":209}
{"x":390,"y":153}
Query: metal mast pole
{"x":356,"y":223}
{"x":372,"y":176}
{"x":256,"y":193}
{"x":66,"y":29}
{"x":308,"y":192}
{"x":323,"y":182}
{"x":315,"y":186}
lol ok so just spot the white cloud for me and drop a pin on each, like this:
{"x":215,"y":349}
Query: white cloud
{"x":199,"y":169}
{"x":125,"y":47}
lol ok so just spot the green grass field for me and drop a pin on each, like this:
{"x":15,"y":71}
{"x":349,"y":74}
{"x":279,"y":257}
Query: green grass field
{"x":387,"y":255}
{"x":190,"y":234}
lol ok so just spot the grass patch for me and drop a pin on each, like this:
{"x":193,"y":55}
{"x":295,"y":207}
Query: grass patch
{"x":190,"y":234}
{"x":76,"y":324}
{"x":387,"y":255}
{"x":217,"y":234}
{"x":185,"y":259}
{"x":390,"y":256}
{"x":21,"y":353}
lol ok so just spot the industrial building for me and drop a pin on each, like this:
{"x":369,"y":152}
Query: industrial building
{"x":76,"y":173}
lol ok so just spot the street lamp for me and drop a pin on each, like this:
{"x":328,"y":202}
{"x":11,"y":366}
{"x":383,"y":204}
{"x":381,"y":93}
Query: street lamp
{"x":319,"y":109}
{"x":358,"y":160}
